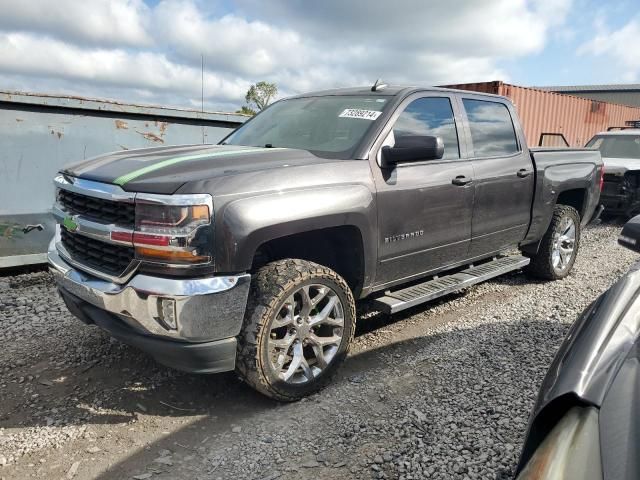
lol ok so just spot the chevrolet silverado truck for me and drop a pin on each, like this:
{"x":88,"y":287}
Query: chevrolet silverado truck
{"x":620,"y":151}
{"x":251,"y":254}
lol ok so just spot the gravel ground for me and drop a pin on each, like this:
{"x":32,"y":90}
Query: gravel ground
{"x":440,"y":391}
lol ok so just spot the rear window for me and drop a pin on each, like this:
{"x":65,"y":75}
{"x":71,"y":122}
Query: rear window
{"x":491,"y":128}
{"x":617,"y":146}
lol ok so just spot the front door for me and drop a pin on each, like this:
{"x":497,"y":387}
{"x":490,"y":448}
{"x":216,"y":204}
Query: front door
{"x":425,"y":207}
{"x":503,"y":177}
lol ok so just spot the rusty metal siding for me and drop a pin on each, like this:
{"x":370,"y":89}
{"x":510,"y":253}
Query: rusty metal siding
{"x":41,"y":133}
{"x":540,"y":111}
{"x":484,"y":87}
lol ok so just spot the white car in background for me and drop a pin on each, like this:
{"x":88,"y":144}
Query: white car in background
{"x":620,"y":150}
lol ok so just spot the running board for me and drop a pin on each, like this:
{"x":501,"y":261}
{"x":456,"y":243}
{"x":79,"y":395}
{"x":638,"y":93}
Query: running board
{"x":393,"y":302}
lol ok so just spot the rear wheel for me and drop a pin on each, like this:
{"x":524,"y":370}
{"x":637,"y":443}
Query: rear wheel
{"x":299,"y":323}
{"x":559,"y":246}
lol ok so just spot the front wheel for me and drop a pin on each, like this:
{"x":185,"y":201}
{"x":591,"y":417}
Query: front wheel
{"x":559,"y":246}
{"x":299,"y":323}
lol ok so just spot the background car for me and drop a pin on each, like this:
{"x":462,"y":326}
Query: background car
{"x":586,"y":421}
{"x":620,"y":150}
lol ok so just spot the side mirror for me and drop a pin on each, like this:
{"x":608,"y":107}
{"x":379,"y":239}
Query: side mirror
{"x":413,"y":148}
{"x":630,"y":235}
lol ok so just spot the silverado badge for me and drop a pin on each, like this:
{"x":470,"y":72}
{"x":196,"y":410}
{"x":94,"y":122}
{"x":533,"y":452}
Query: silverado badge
{"x":403,"y":236}
{"x":70,"y":223}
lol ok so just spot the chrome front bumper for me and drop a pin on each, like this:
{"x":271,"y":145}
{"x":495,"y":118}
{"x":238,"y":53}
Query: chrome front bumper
{"x":204,"y":309}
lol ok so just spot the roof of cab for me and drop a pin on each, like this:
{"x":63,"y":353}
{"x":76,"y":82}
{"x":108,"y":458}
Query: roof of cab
{"x":626,"y":131}
{"x":389,"y":91}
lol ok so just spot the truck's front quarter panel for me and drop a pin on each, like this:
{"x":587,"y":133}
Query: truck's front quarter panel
{"x":251,"y":210}
{"x":250,"y":222}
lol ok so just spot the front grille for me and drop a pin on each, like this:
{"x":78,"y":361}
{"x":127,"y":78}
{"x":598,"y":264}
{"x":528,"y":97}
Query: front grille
{"x":104,"y":257}
{"x":98,"y":209}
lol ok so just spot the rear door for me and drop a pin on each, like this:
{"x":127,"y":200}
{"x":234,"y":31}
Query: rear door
{"x":424,"y":218}
{"x":503,"y":175}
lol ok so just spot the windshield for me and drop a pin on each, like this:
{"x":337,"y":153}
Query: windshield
{"x":617,"y":146}
{"x":331,"y":126}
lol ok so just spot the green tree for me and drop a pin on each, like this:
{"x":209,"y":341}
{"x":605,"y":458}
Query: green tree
{"x":260,"y":94}
{"x":245,"y":110}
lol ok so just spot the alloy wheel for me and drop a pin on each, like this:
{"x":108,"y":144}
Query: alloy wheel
{"x":564,"y":244}
{"x":306,"y":333}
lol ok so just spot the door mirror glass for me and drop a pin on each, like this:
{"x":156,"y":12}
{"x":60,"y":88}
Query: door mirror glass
{"x":630,"y":235}
{"x":413,"y":148}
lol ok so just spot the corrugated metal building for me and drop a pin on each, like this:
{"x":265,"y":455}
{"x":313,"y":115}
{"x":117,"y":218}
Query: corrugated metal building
{"x":628,"y":94}
{"x":41,"y":133}
{"x":553,"y":119}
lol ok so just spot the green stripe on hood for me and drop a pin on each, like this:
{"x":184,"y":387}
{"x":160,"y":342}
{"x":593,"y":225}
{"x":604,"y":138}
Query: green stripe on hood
{"x":172,"y":161}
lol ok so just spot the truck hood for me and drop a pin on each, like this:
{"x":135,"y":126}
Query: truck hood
{"x":165,"y":169}
{"x":621,"y":164}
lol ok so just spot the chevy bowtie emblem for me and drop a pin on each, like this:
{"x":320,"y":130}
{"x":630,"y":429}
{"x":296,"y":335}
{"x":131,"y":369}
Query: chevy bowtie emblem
{"x":70,"y":223}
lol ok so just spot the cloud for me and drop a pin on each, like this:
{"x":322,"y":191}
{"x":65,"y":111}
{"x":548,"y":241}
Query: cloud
{"x":620,"y":45}
{"x":29,"y":55}
{"x":153,"y":52}
{"x":306,"y":45}
{"x":99,"y":22}
{"x":499,"y":28}
{"x":339,"y":43}
{"x":229,"y":42}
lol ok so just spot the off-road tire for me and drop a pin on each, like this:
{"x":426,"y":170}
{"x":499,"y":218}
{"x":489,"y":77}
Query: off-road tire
{"x":270,"y":287}
{"x":541,"y":265}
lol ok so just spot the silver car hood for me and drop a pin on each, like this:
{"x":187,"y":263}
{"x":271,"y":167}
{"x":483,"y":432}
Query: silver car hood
{"x":621,"y":164}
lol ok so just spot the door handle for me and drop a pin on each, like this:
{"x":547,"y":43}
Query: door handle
{"x":461,"y":180}
{"x":523,"y":172}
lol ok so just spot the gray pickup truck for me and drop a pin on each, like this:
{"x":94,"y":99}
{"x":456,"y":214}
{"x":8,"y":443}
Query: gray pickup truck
{"x":251,"y":254}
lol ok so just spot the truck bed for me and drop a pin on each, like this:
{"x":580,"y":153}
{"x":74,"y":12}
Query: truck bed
{"x":574,"y":171}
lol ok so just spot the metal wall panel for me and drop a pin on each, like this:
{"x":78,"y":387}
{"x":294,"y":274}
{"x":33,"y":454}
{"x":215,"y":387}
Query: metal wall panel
{"x":621,"y":97}
{"x":577,"y":119}
{"x":39,"y":134}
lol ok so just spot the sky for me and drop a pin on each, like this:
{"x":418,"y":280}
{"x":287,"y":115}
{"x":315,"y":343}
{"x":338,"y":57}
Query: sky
{"x":151,"y":51}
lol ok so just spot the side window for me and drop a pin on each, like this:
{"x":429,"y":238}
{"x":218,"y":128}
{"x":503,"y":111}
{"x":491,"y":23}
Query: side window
{"x":491,"y":127}
{"x":430,"y":116}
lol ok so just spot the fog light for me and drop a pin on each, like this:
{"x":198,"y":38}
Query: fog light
{"x":167,"y":313}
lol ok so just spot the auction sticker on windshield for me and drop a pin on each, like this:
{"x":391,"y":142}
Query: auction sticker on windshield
{"x":358,"y":113}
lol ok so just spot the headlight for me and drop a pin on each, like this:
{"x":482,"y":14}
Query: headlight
{"x":171,"y":220}
{"x":570,"y":450}
{"x":178,"y":232}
